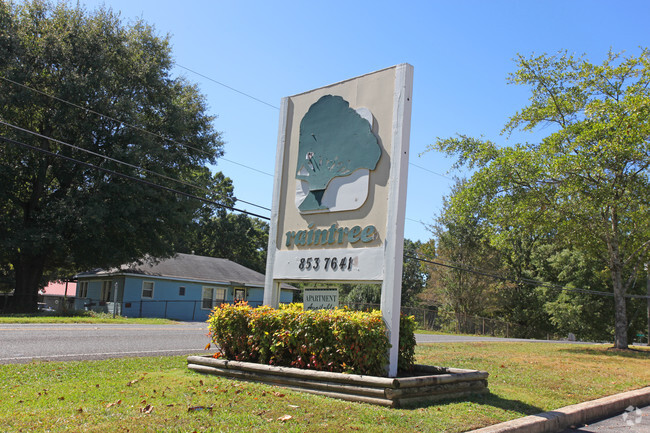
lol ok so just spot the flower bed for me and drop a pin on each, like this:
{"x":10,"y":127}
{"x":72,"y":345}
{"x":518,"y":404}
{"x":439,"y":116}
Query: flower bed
{"x":336,"y":340}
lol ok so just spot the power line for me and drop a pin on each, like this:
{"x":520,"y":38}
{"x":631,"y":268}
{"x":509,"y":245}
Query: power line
{"x":121,"y":122}
{"x":133,"y":178}
{"x":430,"y":171}
{"x":277,"y":108}
{"x":171,"y":140}
{"x":246,"y":166}
{"x":182,"y":182}
{"x":417,"y":221}
{"x":523,"y":280}
{"x":227,"y":86}
{"x":175,"y":191}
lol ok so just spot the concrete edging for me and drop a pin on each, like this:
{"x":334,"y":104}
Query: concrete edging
{"x":428,"y":384}
{"x":574,"y":415}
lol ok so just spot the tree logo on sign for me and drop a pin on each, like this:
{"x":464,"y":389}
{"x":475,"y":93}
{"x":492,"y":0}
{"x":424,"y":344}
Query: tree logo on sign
{"x":337,"y":150}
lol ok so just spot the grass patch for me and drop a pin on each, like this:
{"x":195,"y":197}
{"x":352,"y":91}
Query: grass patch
{"x":80,"y":317}
{"x":162,"y":395}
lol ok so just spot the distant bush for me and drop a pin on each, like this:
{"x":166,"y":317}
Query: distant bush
{"x":336,"y":340}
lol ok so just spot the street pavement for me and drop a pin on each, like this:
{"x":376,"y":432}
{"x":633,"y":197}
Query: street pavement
{"x":632,"y":420}
{"x":23,"y":343}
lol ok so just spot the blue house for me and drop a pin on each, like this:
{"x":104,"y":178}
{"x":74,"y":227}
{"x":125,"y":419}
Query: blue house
{"x":184,"y":287}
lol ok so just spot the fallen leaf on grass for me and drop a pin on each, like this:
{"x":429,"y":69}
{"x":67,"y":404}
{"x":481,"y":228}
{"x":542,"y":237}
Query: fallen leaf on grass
{"x":147,"y":409}
{"x":278,"y":394}
{"x":293,"y":406}
{"x":113,"y":404}
{"x":198,"y":408}
{"x":285,"y":418}
{"x":132,"y":382}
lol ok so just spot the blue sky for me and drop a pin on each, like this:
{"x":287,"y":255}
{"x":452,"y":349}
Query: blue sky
{"x":462,"y":52}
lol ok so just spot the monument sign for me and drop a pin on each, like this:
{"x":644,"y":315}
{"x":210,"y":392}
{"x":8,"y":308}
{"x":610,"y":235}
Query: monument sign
{"x":339,"y":192}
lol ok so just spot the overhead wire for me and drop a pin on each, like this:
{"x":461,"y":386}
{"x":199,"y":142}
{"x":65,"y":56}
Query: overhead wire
{"x":278,"y":108}
{"x":232,"y":208}
{"x":88,"y":110}
{"x":227,"y":86}
{"x":129,"y":125}
{"x":108,"y":158}
{"x":523,"y":280}
{"x":527,"y":281}
{"x":129,"y":177}
{"x":126,"y":124}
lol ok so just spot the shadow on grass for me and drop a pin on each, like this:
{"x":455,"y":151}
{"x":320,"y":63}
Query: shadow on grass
{"x":488,"y":399}
{"x":630,"y":353}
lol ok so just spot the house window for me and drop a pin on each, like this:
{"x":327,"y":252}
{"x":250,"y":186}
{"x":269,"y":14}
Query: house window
{"x":82,"y":289}
{"x":239,"y":294}
{"x":212,"y":296}
{"x":181,"y":291}
{"x":106,"y":291}
{"x":208,"y":293}
{"x":147,"y":289}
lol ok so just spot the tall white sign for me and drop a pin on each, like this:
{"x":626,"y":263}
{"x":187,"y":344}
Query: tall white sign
{"x":339,"y":194}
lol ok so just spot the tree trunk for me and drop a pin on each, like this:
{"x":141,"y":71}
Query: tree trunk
{"x":620,"y":311}
{"x":648,"y":289}
{"x":616,"y":269}
{"x":29,"y":271}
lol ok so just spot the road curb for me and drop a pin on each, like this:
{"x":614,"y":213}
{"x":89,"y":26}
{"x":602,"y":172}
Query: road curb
{"x":574,"y":415}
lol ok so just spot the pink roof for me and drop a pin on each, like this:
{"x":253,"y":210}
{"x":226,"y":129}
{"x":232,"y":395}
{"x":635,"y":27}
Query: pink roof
{"x":58,"y":288}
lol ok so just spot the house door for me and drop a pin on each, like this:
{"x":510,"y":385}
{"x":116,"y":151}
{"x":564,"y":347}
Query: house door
{"x":239,"y":294}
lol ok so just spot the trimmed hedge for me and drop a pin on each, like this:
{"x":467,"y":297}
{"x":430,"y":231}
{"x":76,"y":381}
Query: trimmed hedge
{"x":338,"y":340}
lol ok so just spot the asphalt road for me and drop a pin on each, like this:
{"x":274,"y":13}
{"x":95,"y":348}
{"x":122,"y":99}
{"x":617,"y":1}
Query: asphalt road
{"x":633,"y":420}
{"x":22,"y":343}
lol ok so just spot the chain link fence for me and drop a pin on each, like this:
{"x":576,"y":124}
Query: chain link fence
{"x":431,"y":319}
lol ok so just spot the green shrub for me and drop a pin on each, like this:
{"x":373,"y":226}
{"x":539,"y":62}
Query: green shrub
{"x":336,"y":340}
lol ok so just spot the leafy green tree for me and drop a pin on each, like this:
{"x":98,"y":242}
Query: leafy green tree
{"x":414,"y":278}
{"x":460,"y":243}
{"x":364,"y":295}
{"x":235,"y":237}
{"x":586,"y":183}
{"x":59,"y":214}
{"x":414,"y":273}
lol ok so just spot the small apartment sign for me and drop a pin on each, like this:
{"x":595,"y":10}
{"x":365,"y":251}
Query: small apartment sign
{"x":339,"y":193}
{"x":320,"y":299}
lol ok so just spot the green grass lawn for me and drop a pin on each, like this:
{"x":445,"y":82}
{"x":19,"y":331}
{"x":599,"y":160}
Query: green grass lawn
{"x":80,"y":318}
{"x":162,"y":395}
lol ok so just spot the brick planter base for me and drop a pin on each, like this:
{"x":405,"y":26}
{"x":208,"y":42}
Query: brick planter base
{"x":426,"y":384}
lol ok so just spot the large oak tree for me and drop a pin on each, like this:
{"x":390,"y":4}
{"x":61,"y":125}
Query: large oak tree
{"x":59,"y":67}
